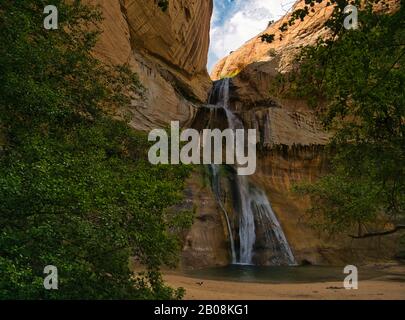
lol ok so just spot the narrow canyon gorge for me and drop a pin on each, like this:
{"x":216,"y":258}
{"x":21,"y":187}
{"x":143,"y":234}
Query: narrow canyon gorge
{"x":169,"y":50}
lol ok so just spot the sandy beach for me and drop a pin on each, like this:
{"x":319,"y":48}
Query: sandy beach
{"x":383,"y":288}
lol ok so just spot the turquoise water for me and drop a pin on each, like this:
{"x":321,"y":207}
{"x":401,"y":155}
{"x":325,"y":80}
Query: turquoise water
{"x":280,"y":274}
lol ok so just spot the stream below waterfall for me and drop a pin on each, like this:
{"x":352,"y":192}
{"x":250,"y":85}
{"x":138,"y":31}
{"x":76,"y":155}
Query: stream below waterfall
{"x":282,"y":274}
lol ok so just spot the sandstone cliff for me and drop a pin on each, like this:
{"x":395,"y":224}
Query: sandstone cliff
{"x":254,"y":67}
{"x":284,"y":46}
{"x":291,"y":139}
{"x":168,"y":50}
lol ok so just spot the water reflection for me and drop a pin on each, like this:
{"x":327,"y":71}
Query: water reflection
{"x":280,"y":274}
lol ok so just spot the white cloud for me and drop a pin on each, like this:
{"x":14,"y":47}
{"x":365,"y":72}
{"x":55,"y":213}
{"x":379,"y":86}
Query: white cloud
{"x":236,"y":22}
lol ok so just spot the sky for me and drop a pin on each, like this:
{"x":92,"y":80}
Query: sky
{"x":236,"y":21}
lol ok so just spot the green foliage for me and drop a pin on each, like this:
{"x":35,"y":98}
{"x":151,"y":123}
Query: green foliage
{"x":163,"y":5}
{"x":230,"y":75}
{"x":335,"y":22}
{"x":269,"y":38}
{"x":356,"y":83}
{"x":76,"y":188}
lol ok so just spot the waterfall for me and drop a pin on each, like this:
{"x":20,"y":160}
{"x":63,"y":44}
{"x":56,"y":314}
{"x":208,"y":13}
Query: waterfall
{"x":274,"y":235}
{"x":255,"y":207}
{"x":217,"y":191}
{"x":233,"y":121}
{"x":247,"y":235}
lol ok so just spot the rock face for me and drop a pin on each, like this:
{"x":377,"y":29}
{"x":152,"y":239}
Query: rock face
{"x":291,"y":139}
{"x":177,"y":39}
{"x":206,"y":243}
{"x":168,"y":50}
{"x":285,"y":45}
{"x":282,"y":168}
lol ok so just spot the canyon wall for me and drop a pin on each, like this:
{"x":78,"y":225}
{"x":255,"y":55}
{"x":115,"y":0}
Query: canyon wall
{"x":168,"y":50}
{"x":206,"y":244}
{"x":291,"y":139}
{"x":279,"y":53}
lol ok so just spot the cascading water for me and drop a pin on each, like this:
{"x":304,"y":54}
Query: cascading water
{"x":254,"y":204}
{"x":217,"y":191}
{"x":274,"y":235}
{"x":247,"y":235}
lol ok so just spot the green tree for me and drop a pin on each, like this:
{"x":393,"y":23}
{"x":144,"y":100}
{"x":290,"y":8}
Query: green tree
{"x":355,"y":80}
{"x":76,"y":188}
{"x":163,"y":5}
